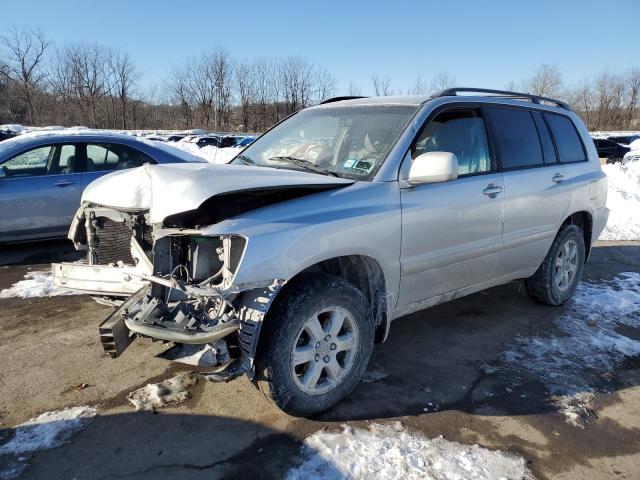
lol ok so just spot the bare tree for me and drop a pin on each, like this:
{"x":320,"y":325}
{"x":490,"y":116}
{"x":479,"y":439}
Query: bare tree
{"x":220,"y":69}
{"x":124,"y":77}
{"x":381,"y":86}
{"x":354,"y":90}
{"x":632,"y":80}
{"x":610,"y":91}
{"x":180,"y":94}
{"x":25,"y":49}
{"x":297,"y":79}
{"x":584,"y":101}
{"x":546,"y":81}
{"x":419,"y":88}
{"x":247,"y":92}
{"x":441,"y":81}
{"x":88,"y":64}
{"x":325,"y":84}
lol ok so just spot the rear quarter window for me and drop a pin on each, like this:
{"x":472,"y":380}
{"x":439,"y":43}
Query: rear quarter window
{"x":570,"y":148}
{"x":516,"y":137}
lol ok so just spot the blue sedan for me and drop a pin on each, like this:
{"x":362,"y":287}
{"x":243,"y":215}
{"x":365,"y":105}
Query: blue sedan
{"x":42,"y":176}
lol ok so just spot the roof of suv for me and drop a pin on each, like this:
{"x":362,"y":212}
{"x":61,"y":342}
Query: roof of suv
{"x":451,"y":93}
{"x":388,"y":100}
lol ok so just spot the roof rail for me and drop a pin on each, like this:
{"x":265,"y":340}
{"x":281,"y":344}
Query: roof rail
{"x":338,"y":99}
{"x":449,"y":92}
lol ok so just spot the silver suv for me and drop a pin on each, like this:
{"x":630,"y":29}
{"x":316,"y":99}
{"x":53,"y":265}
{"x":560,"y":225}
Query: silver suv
{"x":347,"y":215}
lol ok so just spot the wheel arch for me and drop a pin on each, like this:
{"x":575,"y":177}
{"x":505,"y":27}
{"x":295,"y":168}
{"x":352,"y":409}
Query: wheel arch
{"x":583,"y":220}
{"x":363,"y":272}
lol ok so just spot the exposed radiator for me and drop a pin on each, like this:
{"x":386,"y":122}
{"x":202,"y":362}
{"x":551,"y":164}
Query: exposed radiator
{"x":114,"y":243}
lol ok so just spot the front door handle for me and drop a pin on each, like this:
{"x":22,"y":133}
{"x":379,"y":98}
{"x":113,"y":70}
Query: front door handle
{"x":558,"y":178}
{"x":492,"y":190}
{"x":63,"y":183}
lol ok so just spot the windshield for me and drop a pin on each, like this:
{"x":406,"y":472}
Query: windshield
{"x":351,"y":141}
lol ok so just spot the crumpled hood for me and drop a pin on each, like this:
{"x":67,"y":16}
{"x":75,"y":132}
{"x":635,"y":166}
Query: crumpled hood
{"x":174,"y":188}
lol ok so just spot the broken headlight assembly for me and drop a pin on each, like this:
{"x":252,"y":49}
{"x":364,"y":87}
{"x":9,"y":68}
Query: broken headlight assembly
{"x":190,"y":299}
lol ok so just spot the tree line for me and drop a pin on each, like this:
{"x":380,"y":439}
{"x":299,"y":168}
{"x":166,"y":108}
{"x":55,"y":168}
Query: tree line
{"x":82,"y":83}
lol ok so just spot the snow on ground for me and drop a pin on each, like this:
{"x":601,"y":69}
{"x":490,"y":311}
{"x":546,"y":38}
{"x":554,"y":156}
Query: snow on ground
{"x":157,"y":395}
{"x":210,"y":153}
{"x":623,"y":199}
{"x":390,"y":452}
{"x":36,"y":284}
{"x":49,"y":430}
{"x":588,"y":345}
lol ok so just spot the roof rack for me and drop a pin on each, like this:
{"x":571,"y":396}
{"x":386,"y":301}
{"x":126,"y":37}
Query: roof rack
{"x":338,"y":99}
{"x":452,"y":92}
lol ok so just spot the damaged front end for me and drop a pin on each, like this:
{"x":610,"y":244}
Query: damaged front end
{"x":119,"y":253}
{"x":179,"y":283}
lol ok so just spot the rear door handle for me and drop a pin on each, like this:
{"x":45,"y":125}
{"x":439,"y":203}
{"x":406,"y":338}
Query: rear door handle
{"x":492,"y":190}
{"x":559,"y":178}
{"x":63,"y":183}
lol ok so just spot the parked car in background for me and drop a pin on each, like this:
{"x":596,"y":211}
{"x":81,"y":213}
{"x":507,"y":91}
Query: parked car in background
{"x":6,"y":135}
{"x":245,"y":141}
{"x":340,"y":219}
{"x":175,"y":138}
{"x":42,"y":176}
{"x":203,"y":141}
{"x":612,"y":151}
{"x":228,"y":141}
{"x":624,"y":140}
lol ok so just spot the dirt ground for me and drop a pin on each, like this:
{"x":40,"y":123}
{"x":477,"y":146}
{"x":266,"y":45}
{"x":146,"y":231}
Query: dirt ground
{"x":228,"y":430}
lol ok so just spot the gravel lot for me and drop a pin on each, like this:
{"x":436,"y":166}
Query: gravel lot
{"x":442,"y":372}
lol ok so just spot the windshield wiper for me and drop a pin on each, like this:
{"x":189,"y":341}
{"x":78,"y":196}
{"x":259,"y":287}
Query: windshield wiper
{"x":246,"y":160}
{"x":306,"y":164}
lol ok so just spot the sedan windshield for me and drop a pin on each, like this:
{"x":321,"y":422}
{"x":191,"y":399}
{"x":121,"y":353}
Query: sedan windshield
{"x":348,"y":141}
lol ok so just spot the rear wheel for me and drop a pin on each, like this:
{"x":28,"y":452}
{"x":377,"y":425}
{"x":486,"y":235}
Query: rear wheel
{"x":557,"y":278}
{"x":318,"y":338}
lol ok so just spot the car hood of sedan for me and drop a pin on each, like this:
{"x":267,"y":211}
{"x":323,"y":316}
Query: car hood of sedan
{"x":174,"y":188}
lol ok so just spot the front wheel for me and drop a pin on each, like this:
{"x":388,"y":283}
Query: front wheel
{"x":318,"y":338}
{"x":557,"y":278}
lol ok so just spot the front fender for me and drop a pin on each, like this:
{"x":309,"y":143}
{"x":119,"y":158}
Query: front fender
{"x":285,"y":239}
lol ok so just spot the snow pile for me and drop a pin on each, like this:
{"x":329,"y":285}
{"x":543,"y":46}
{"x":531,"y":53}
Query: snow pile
{"x":390,"y":452}
{"x":210,"y":153}
{"x":36,"y":284}
{"x":623,"y":199}
{"x":589,"y":344}
{"x":49,"y":430}
{"x":157,"y":395}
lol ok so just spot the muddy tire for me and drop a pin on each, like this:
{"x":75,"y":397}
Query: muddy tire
{"x":557,"y":278}
{"x":315,"y":344}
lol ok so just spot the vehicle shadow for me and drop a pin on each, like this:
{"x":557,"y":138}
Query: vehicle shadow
{"x":31,"y":253}
{"x":166,"y":445}
{"x":452,"y":356}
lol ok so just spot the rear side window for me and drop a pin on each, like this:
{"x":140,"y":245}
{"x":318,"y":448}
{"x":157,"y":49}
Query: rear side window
{"x":548,"y":149}
{"x":516,"y":137}
{"x":570,"y":147}
{"x":111,"y":156}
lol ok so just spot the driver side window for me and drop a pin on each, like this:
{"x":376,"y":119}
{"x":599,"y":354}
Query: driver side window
{"x":461,"y":132}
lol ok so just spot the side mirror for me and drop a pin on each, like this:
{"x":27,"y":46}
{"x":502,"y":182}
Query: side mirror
{"x":433,"y":167}
{"x":3,"y":172}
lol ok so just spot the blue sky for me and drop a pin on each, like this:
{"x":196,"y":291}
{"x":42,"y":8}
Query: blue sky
{"x":481,"y":43}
